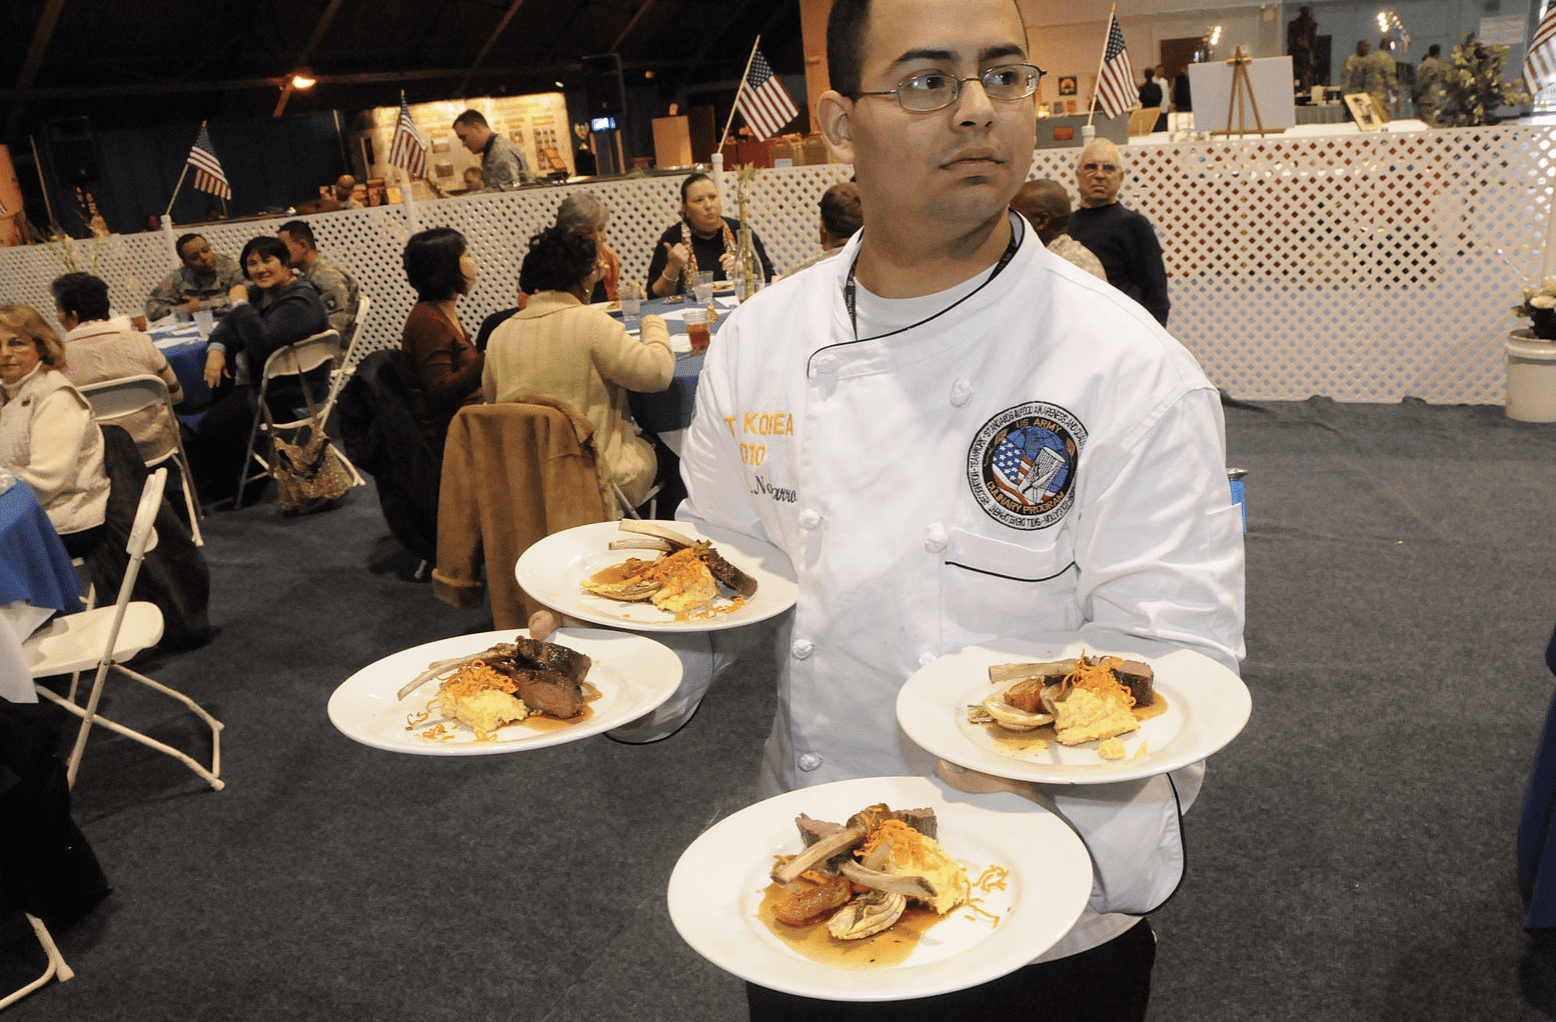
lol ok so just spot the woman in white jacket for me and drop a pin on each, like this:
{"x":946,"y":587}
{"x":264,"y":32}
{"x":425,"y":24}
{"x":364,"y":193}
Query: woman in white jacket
{"x":48,"y":437}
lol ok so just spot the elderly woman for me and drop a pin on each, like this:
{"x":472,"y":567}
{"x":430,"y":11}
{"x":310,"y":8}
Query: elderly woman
{"x":704,"y":239}
{"x":447,"y":365}
{"x":47,"y":436}
{"x":269,"y":312}
{"x":558,"y":347}
{"x":584,"y":213}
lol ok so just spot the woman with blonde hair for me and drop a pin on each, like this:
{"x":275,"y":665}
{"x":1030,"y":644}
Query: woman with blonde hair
{"x":48,"y":438}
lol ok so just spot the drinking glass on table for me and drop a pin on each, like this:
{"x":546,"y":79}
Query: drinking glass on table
{"x":631,"y":304}
{"x":696,"y":318}
{"x":703,"y":290}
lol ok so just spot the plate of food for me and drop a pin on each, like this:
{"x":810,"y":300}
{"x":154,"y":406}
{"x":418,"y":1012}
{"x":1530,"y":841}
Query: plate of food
{"x":498,"y":692}
{"x":1063,"y":711}
{"x":954,"y":889}
{"x":613,"y":307}
{"x":658,"y":576}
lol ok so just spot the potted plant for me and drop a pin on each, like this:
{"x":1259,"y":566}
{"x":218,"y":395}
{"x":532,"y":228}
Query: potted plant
{"x":1473,"y":89}
{"x":1539,"y":307}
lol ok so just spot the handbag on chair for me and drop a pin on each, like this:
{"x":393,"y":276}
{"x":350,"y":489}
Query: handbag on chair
{"x":308,"y":472}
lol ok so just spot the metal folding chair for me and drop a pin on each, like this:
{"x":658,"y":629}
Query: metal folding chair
{"x":294,"y":359}
{"x":115,"y":400}
{"x":57,"y":968}
{"x":105,"y":637}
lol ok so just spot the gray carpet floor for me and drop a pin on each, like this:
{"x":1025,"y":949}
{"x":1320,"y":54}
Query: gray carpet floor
{"x":1351,"y":856}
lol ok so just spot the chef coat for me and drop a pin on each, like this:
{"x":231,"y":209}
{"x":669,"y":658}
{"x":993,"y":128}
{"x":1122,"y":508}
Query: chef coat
{"x":1041,"y":458}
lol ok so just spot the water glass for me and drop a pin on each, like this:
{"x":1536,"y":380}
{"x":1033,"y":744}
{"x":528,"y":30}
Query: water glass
{"x":205,"y":319}
{"x":703,"y":290}
{"x":631,"y":304}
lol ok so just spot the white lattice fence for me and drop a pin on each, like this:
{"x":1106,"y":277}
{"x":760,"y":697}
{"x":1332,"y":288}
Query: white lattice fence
{"x":1363,"y":267}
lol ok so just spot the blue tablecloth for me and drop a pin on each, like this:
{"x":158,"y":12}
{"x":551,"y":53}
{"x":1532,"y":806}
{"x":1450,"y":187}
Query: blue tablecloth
{"x":187,"y":358}
{"x":671,"y":408}
{"x":33,"y":563}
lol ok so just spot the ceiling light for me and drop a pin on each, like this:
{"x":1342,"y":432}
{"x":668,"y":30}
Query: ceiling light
{"x":303,"y":80}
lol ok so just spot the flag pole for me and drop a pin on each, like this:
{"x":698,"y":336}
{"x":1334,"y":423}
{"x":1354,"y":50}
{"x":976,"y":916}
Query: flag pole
{"x":407,"y":186}
{"x":731,"y":119}
{"x":1090,"y":131}
{"x":169,"y":211}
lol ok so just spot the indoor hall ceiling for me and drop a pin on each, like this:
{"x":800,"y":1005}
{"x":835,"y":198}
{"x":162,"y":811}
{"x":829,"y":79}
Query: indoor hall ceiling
{"x":144,"y":62}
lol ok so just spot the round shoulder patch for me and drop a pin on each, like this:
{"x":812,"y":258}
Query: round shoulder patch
{"x":1021,"y":465}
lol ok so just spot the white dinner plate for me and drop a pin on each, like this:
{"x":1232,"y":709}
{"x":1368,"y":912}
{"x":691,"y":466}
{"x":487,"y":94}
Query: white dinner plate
{"x":716,"y":890}
{"x":1207,"y":705}
{"x":552,"y":571}
{"x":634,"y":675}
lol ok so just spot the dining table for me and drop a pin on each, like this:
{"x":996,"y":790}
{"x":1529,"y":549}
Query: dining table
{"x":183,"y":345}
{"x":668,"y":413}
{"x":37,"y":580}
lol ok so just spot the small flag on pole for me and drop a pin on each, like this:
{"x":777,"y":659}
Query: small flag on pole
{"x":208,"y":169}
{"x":1116,"y":91}
{"x":762,"y":100}
{"x":407,"y":151}
{"x":1540,"y":64}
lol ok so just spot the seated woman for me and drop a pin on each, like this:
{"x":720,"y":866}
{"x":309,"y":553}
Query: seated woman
{"x":560,"y":348}
{"x":99,"y":351}
{"x":704,"y":239}
{"x":48,"y":438}
{"x":269,"y":312}
{"x":447,"y":365}
{"x":583,"y":213}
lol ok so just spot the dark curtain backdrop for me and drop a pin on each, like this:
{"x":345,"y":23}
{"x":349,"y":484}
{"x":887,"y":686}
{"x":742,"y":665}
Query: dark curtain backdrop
{"x":271,"y":164}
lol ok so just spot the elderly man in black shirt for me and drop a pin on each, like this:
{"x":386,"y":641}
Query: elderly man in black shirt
{"x":1124,"y":241}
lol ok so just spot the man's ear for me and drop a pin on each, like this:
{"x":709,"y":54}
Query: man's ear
{"x":833,"y":110}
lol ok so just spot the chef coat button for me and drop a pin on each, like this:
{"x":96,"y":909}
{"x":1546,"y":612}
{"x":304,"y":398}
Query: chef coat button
{"x":828,"y":364}
{"x":936,"y":538}
{"x":961,"y":391}
{"x":809,"y":762}
{"x":926,"y":658}
{"x":809,"y":518}
{"x":802,"y":648}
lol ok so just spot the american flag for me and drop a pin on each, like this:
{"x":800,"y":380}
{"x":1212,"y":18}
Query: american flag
{"x":1540,"y":64}
{"x":762,"y":100}
{"x":407,"y":151}
{"x":1029,"y":465}
{"x":208,"y":169}
{"x":1116,"y":88}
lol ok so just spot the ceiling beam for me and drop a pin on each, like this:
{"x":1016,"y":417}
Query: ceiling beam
{"x":631,"y":25}
{"x":318,"y":33}
{"x":464,"y":83}
{"x":41,"y":36}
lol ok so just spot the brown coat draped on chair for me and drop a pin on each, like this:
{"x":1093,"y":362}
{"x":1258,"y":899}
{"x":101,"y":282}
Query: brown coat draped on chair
{"x":513,"y":473}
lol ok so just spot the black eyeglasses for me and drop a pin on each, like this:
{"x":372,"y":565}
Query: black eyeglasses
{"x":936,"y":90}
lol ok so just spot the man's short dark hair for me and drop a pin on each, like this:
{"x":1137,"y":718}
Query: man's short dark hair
{"x":82,"y":295}
{"x":432,"y":264}
{"x":472,"y":117}
{"x":845,"y":44}
{"x":558,"y":260}
{"x":840,"y":211}
{"x":299,"y":229}
{"x":184,"y":239}
{"x":265,"y":245}
{"x":1433,"y":50}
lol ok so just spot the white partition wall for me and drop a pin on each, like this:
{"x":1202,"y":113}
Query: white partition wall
{"x":1362,"y":267}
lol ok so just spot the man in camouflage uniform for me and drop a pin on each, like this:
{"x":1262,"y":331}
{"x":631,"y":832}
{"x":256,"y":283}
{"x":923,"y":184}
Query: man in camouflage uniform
{"x":1380,"y":77}
{"x":203,"y":282}
{"x":503,"y":166}
{"x":1429,"y":86}
{"x":1353,"y":73}
{"x":337,"y":287}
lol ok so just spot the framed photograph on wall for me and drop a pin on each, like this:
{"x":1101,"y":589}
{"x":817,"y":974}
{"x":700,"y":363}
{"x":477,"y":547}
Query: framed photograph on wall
{"x":1067,"y":85}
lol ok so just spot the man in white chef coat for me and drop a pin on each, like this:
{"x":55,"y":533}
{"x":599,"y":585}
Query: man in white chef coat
{"x":957,"y":436}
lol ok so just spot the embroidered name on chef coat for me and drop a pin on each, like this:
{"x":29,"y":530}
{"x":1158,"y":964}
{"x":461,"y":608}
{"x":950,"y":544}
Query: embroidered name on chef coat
{"x":1021,"y":465}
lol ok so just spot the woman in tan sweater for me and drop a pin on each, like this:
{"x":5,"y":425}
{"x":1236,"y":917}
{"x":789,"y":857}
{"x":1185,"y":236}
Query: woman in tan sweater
{"x":559,"y":347}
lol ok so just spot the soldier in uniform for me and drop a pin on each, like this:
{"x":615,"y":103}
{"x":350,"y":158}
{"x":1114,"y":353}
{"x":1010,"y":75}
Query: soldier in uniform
{"x":1352,"y":74}
{"x":203,"y":282}
{"x":1380,"y":78}
{"x":337,"y":287}
{"x":503,"y":166}
{"x":1429,"y":86}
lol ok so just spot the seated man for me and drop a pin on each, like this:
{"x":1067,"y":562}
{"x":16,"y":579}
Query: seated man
{"x":345,"y":192}
{"x":96,"y":350}
{"x":203,"y":282}
{"x":503,"y":165}
{"x":840,"y":218}
{"x":337,"y":287}
{"x":1046,"y":205}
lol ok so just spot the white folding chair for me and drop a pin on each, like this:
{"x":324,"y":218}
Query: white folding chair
{"x":57,"y":967}
{"x":115,"y":400}
{"x":105,"y":637}
{"x":293,"y":359}
{"x":359,"y":348}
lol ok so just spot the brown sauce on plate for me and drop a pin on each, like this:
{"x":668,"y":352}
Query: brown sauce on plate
{"x":887,"y":948}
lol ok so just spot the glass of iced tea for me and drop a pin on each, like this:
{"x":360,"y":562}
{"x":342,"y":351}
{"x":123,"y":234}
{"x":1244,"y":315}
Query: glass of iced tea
{"x":697,"y":328}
